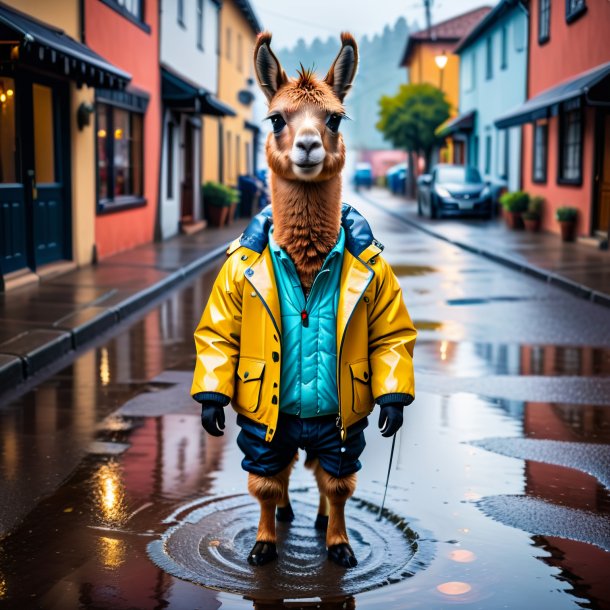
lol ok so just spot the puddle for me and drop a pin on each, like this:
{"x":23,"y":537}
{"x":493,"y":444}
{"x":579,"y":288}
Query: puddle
{"x":209,"y":546}
{"x":412,"y":270}
{"x":484,"y":301}
{"x":472,"y":359}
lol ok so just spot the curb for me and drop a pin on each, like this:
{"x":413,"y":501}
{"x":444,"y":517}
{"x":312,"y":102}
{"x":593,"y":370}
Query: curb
{"x":549,"y":277}
{"x":44,"y":346}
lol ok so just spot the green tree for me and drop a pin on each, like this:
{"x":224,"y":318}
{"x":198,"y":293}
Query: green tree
{"x":409,"y":119}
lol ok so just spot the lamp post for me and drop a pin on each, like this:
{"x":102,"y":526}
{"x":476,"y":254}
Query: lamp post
{"x":441,"y":62}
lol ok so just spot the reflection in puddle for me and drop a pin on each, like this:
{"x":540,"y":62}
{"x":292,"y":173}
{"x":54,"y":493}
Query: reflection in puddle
{"x":484,"y":301}
{"x":466,"y":359}
{"x":454,"y":588}
{"x":112,"y":552}
{"x":462,"y":556}
{"x":412,"y":270}
{"x":109,"y":495}
{"x":344,"y":603}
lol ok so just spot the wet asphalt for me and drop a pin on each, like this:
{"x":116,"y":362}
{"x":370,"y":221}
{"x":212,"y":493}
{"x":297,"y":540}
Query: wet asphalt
{"x":112,"y":497}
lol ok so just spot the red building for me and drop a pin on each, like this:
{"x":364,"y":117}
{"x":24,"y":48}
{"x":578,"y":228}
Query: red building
{"x":128,"y":124}
{"x":566,"y":118}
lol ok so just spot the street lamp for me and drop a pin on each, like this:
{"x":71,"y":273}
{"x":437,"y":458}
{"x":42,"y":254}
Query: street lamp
{"x":441,"y":62}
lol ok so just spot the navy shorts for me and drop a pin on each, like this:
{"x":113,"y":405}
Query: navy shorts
{"x":318,"y":436}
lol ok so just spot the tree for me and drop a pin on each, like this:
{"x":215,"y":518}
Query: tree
{"x":409,"y":119}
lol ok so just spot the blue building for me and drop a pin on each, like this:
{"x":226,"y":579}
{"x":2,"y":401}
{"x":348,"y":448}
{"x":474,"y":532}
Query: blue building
{"x":493,"y":78}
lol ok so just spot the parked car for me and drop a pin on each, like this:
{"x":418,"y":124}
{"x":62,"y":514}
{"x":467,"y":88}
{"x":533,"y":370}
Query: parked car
{"x":363,"y":176}
{"x":453,"y":190}
{"x":396,"y":178}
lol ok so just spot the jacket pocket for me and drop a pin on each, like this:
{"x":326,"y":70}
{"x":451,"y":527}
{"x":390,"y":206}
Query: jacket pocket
{"x":250,"y":373}
{"x":362,"y":395}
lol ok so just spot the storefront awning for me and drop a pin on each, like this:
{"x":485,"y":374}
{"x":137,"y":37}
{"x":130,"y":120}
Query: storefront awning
{"x":179,"y":93}
{"x":461,"y":123}
{"x":546,"y":104}
{"x":51,"y":49}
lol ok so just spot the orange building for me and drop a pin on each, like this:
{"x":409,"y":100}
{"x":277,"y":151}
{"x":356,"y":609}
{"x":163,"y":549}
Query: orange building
{"x":127,"y":124}
{"x":566,"y":118}
{"x":429,"y":58}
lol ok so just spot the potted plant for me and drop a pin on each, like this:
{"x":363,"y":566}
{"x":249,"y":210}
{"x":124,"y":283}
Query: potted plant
{"x":514,"y":204}
{"x":217,"y":203}
{"x":566,"y":216}
{"x":233,"y":197}
{"x":531,"y":217}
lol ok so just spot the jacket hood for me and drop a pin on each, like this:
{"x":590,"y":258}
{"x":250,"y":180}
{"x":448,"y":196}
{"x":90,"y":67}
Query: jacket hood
{"x":358,"y":234}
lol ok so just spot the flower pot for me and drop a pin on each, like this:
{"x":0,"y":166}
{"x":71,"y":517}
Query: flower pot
{"x":217,"y":215}
{"x":231,"y":214}
{"x":532,"y":224}
{"x":568,"y":230}
{"x":513,"y":220}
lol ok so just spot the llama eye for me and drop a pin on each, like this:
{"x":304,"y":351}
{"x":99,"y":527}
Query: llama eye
{"x":333,"y":122}
{"x":277,"y":123}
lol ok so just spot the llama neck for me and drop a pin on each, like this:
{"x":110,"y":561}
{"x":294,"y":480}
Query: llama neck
{"x":306,"y":221}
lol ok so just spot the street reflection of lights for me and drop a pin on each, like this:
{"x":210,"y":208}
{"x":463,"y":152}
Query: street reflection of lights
{"x":454,"y":588}
{"x":109,"y":495}
{"x":462,"y":556}
{"x":444,"y":346}
{"x":104,"y":367}
{"x":112,"y":552}
{"x":464,"y":530}
{"x":472,"y":495}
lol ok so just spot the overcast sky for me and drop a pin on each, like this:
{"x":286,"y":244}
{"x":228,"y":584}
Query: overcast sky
{"x":289,"y":20}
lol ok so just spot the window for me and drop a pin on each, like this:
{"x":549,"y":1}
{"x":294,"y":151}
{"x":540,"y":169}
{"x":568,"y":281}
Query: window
{"x":503,"y":148}
{"x":229,"y":157}
{"x":540,"y":152}
{"x":474,"y":157}
{"x":248,"y":159}
{"x":570,"y":146}
{"x":487,"y":155}
{"x":180,"y":5}
{"x":504,"y":49}
{"x":133,"y":7}
{"x":228,"y":44}
{"x":133,"y":10}
{"x":8,"y":158}
{"x":489,"y":52}
{"x":240,"y":53}
{"x":200,"y":24}
{"x":237,"y":156}
{"x":544,"y":21}
{"x":170,"y":160}
{"x":120,"y":151}
{"x":574,"y":9}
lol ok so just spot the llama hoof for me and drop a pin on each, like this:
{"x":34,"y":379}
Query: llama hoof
{"x":284,"y":514}
{"x":262,"y":553}
{"x":342,"y":555}
{"x":321,"y":523}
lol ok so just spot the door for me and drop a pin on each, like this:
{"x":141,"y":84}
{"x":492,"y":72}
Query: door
{"x":602,"y":216}
{"x":186,"y":202}
{"x":34,"y":193}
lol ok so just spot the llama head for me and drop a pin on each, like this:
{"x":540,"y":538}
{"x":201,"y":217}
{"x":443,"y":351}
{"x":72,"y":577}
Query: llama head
{"x":305,"y":112}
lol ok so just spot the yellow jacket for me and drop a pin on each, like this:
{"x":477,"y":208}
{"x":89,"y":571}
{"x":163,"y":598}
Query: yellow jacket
{"x":239,"y":337}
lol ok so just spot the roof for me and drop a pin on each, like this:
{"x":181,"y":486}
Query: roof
{"x":461,"y":123}
{"x":494,"y":15}
{"x":50,"y":47}
{"x":248,"y":12}
{"x":451,"y":31}
{"x":546,"y":103}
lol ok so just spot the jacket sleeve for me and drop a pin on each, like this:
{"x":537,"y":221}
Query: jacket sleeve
{"x":391,"y":341}
{"x":217,"y":339}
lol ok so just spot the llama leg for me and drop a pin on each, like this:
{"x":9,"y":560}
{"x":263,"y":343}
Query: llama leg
{"x":268,"y":491}
{"x":338,"y":490}
{"x":321,"y":523}
{"x":284,"y":512}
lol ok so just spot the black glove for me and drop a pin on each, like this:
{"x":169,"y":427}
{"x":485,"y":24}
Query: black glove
{"x":213,"y":418}
{"x":390,"y":419}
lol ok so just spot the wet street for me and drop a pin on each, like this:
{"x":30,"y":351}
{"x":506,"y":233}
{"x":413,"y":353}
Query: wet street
{"x":113,"y":496}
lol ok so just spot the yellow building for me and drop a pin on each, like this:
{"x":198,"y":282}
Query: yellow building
{"x":51,"y":78}
{"x":429,"y":58}
{"x":230,"y":142}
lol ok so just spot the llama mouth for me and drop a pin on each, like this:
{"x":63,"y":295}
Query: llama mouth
{"x":307,"y":166}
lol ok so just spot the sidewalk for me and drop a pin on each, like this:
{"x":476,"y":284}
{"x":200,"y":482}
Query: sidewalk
{"x":575,"y":267}
{"x":43,"y":323}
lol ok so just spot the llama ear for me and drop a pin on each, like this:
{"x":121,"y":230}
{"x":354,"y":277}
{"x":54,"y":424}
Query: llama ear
{"x":342,"y":72}
{"x":269,"y":72}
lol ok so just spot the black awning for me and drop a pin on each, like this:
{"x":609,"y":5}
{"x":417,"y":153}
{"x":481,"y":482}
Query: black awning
{"x":180,"y":93}
{"x":51,"y":48}
{"x":546,"y":104}
{"x":461,"y":123}
{"x":251,"y":126}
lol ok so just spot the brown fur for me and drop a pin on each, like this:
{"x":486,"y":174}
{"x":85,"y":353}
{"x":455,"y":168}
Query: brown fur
{"x":338,"y":491}
{"x":306,"y":212}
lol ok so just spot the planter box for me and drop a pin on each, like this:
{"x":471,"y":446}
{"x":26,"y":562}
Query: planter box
{"x":532,"y":224}
{"x":568,"y":230}
{"x":513,"y":220}
{"x":217,"y":215}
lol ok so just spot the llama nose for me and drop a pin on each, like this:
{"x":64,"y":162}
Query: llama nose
{"x":308,"y":143}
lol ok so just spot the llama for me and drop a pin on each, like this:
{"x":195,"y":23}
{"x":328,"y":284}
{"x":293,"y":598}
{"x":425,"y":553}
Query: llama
{"x":304,"y":301}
